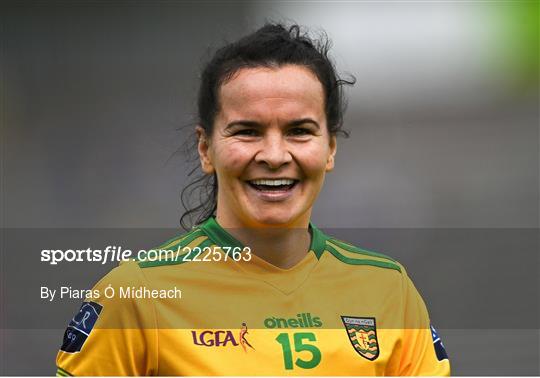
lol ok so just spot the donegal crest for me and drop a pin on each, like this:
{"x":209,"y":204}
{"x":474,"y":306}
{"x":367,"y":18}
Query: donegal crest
{"x":362,"y":333}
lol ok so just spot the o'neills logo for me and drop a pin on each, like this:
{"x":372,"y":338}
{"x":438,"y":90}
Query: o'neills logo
{"x":303,"y":320}
{"x":222,"y":338}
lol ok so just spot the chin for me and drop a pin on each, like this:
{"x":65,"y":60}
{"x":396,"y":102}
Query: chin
{"x":274,"y":219}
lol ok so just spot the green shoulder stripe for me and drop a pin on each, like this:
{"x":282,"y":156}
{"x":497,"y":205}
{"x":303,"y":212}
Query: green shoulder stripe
{"x":173,"y":257}
{"x":348,"y":260}
{"x":62,"y":373}
{"x":351,"y":248}
{"x":189,"y":237}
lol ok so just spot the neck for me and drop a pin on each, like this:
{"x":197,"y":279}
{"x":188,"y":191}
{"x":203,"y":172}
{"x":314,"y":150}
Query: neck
{"x":283,"y":247}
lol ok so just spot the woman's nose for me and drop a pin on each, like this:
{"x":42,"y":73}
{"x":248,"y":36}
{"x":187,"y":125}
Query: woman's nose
{"x":274,"y":151}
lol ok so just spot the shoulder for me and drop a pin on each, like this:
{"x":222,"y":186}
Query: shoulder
{"x":168,"y":253}
{"x":173,"y":251}
{"x":375,"y":271}
{"x":350,"y":254}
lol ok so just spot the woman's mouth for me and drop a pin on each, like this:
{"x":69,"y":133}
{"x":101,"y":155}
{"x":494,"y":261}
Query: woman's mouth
{"x":273,"y":185}
{"x":273,"y":189}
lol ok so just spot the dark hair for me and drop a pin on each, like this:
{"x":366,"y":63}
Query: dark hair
{"x":273,"y":45}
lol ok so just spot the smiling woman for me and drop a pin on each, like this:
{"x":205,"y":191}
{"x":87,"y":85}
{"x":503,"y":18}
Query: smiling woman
{"x":270,"y":149}
{"x":270,"y":109}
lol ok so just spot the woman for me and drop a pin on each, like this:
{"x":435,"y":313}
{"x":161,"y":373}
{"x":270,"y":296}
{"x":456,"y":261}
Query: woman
{"x":270,"y":108}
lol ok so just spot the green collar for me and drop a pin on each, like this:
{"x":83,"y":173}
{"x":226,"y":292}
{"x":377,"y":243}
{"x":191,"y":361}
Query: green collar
{"x":221,"y":237}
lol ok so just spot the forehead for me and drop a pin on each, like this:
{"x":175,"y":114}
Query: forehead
{"x":288,"y":91}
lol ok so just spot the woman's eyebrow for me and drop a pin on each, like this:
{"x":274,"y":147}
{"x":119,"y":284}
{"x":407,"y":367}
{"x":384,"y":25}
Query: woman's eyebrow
{"x":243,"y":122}
{"x":298,"y":122}
{"x":250,"y":123}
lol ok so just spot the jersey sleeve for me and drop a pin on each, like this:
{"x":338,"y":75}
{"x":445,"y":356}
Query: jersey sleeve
{"x":422,"y":351}
{"x":113,"y":334}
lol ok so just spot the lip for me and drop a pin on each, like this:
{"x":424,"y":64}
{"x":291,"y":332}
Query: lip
{"x":273,"y":178}
{"x":274,"y":195}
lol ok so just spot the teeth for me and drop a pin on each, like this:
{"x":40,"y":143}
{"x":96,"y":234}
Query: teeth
{"x":273,"y":182}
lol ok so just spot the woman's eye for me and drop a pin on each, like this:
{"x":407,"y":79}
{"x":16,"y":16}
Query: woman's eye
{"x":246,"y":132}
{"x":299,"y":131}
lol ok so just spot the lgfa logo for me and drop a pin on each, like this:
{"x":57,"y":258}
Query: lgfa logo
{"x":222,"y":338}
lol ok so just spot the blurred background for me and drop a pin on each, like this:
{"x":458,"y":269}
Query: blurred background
{"x":441,"y":170}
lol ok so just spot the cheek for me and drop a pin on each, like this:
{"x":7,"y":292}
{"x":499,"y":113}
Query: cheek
{"x":314,"y":160}
{"x":231,"y":160}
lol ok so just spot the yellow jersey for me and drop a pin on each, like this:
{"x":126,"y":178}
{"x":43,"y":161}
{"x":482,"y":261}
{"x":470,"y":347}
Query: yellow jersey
{"x":203,"y":304}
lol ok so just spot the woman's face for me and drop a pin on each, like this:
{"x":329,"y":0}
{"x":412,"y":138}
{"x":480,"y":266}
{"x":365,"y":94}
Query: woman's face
{"x":270,"y":147}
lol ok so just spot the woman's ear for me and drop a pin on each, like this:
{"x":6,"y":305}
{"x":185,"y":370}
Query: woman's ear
{"x":203,"y":146}
{"x":331,"y":153}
